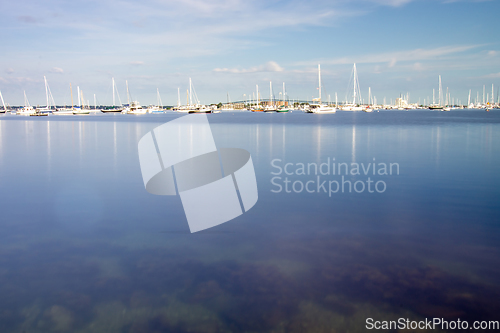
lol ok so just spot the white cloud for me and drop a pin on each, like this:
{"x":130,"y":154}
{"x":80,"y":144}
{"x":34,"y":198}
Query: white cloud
{"x":187,"y":27}
{"x":269,"y":66}
{"x":418,"y":67}
{"x":393,"y":3}
{"x":492,"y":76}
{"x":18,"y":80}
{"x":391,"y":58}
{"x":57,"y":70}
{"x":136,"y":63}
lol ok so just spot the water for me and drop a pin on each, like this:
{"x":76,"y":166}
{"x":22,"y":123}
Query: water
{"x":84,"y":248}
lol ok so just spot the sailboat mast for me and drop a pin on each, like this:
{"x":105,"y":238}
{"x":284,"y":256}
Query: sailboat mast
{"x":3,"y":103}
{"x":190,"y":92}
{"x":283,"y":93}
{"x":319,"y":82}
{"x":270,"y":93}
{"x":46,"y":92}
{"x":158,"y":97}
{"x":78,"y":89}
{"x":440,"y":92}
{"x":354,"y":84}
{"x":258,"y":101}
{"x":128,"y":93}
{"x":95,"y":104}
{"x":71,"y":89}
{"x":113,"y":81}
{"x":468,"y":103}
{"x":178,"y":97}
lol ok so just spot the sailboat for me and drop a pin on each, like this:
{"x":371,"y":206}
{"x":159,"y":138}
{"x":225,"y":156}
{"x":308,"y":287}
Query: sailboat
{"x":356,"y":98}
{"x":319,"y":107}
{"x":66,"y":111}
{"x":369,"y":107}
{"x":438,"y":106}
{"x":49,"y":101}
{"x":190,"y":107}
{"x":179,"y":107}
{"x":257,"y":107}
{"x":198,"y":107}
{"x":270,"y":107}
{"x":282,"y":107}
{"x":114,"y":108}
{"x":80,"y":109}
{"x":158,"y":108}
{"x":3,"y":103}
{"x":27,"y":110}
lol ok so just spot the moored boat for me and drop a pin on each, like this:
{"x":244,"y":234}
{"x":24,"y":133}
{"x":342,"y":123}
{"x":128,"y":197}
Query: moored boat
{"x":27,"y":110}
{"x":319,"y":107}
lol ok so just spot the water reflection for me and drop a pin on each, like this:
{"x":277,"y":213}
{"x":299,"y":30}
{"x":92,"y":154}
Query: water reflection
{"x":95,"y":252}
{"x":114,"y":145}
{"x":2,"y":133}
{"x":353,"y":144}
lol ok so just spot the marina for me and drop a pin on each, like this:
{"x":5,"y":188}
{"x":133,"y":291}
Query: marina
{"x":353,"y":102}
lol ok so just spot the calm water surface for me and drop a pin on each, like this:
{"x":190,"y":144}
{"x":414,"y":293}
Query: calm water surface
{"x":84,"y":247}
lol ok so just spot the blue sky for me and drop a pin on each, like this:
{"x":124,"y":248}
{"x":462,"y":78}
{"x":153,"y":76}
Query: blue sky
{"x":229,"y":46}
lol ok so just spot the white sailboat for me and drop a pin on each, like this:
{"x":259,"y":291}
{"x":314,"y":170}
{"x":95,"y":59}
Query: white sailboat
{"x":191,"y":107}
{"x":257,"y":107}
{"x":270,"y":107}
{"x":319,"y":107}
{"x":3,"y":103}
{"x":188,"y":107}
{"x":49,"y":100}
{"x":438,"y":106}
{"x":158,"y":108}
{"x":80,"y":109}
{"x":27,"y":110}
{"x":356,"y":95}
{"x":369,"y":107}
{"x":66,"y":111}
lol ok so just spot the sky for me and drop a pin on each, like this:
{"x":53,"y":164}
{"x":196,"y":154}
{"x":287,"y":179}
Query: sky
{"x":227,"y":47}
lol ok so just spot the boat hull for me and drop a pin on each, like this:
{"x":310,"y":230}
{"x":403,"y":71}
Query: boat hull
{"x":112,"y":111}
{"x":352,"y":108}
{"x":200,"y":111}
